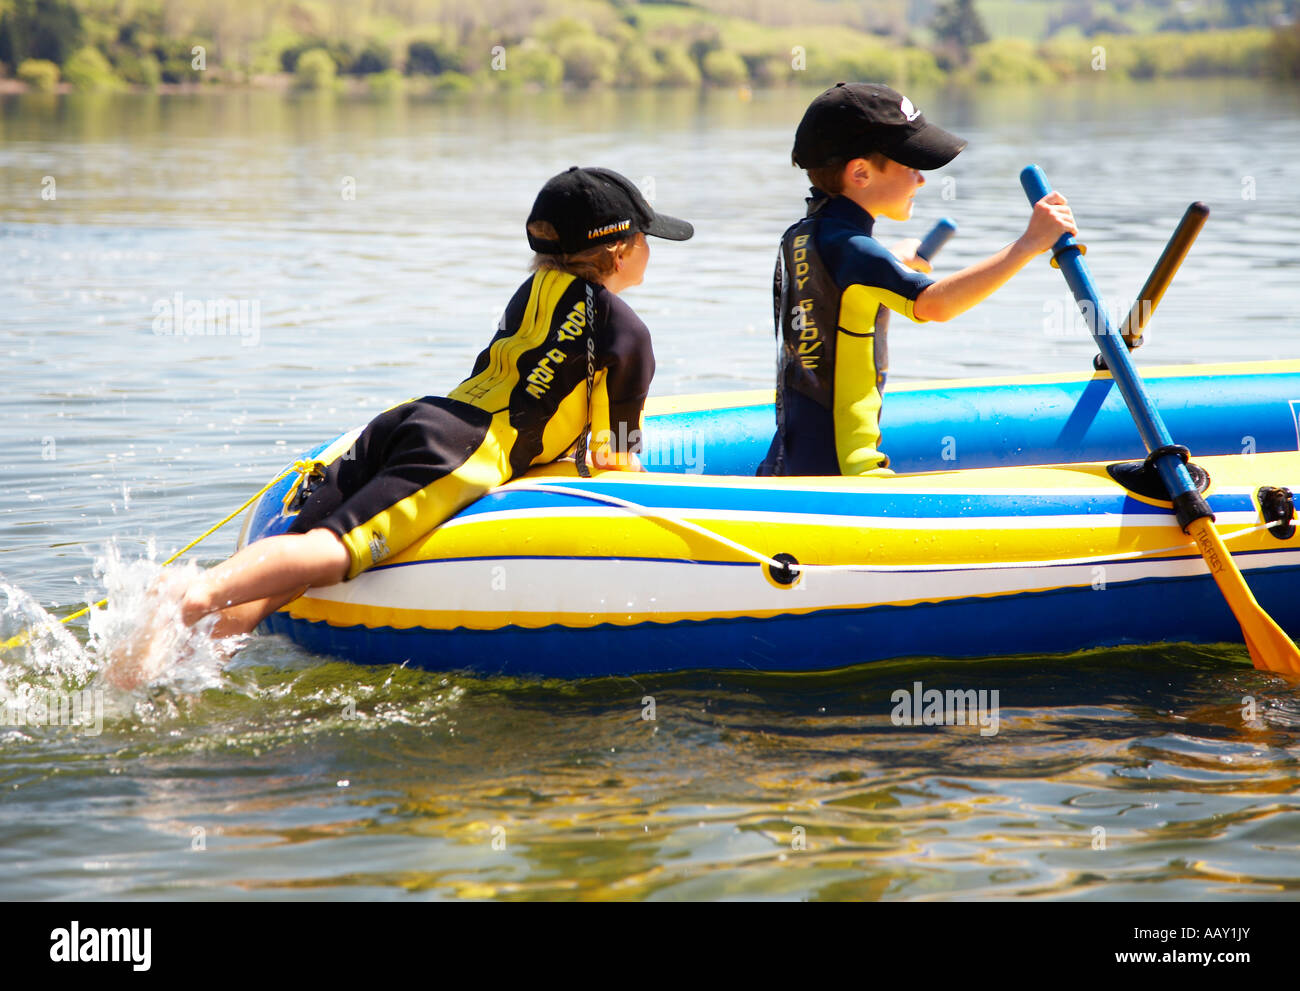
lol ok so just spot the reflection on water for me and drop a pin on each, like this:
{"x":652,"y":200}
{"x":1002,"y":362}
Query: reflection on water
{"x":1125,"y":773}
{"x":337,"y":781}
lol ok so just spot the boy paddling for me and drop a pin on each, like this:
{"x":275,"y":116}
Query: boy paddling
{"x":569,"y":358}
{"x":864,"y":147}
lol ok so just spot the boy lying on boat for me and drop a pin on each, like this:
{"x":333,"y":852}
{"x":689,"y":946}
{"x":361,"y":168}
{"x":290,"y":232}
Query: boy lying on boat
{"x":569,"y":355}
{"x":864,"y":147}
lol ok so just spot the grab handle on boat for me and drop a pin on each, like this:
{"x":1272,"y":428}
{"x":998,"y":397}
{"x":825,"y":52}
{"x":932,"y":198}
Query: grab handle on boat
{"x":940,"y":234}
{"x":1270,"y":648}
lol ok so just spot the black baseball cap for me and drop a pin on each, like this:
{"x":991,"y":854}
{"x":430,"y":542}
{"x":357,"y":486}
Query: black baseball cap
{"x":851,"y":120}
{"x":588,"y":207}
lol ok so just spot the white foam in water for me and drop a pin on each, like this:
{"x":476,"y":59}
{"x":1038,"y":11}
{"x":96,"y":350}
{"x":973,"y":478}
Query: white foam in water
{"x":45,"y":662}
{"x":49,"y":656}
{"x":46,"y":651}
{"x":176,"y":656}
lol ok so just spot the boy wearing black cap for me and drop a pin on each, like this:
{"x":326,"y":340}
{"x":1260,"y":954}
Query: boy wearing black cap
{"x":568,"y":355}
{"x":864,"y":147}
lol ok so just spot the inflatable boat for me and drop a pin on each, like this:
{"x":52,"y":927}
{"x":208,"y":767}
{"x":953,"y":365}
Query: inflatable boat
{"x":1021,"y":521}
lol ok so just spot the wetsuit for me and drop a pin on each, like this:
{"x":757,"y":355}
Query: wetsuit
{"x":525,"y":403}
{"x":833,"y":289}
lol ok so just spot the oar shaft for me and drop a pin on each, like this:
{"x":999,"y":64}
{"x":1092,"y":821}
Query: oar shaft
{"x":1173,"y":472}
{"x":1166,"y":267}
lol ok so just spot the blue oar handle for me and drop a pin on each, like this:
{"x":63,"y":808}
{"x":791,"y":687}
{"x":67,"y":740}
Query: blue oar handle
{"x":1035,"y":185}
{"x":1169,"y":459}
{"x":940,"y":234}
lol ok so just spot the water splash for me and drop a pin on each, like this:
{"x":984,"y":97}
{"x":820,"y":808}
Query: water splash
{"x":44,"y":650}
{"x":136,"y":645}
{"x":138,"y":639}
{"x":46,"y":660}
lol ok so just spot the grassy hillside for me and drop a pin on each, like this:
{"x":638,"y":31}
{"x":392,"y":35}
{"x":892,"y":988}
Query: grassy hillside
{"x":388,"y":46}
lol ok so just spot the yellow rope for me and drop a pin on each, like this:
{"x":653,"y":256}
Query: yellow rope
{"x":302,"y":467}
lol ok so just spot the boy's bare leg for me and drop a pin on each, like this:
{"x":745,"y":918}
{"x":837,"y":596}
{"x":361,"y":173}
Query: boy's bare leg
{"x":234,"y":620}
{"x":267,"y":570}
{"x":246,"y":588}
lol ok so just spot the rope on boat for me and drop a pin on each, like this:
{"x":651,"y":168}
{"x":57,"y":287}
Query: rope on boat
{"x":304,"y":468}
{"x":761,"y":558}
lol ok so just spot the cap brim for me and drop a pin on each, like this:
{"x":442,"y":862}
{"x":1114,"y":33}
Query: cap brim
{"x":670,"y":227}
{"x":929,"y":148}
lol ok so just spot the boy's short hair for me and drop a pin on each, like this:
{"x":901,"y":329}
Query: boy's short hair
{"x":829,"y":178}
{"x":594,"y":264}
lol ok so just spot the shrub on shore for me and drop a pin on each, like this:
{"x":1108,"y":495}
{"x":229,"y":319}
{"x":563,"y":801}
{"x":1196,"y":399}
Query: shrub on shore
{"x":88,"y":69}
{"x":724,"y":68}
{"x":589,"y":60}
{"x":315,"y":70}
{"x":142,"y":70}
{"x":677,"y":68}
{"x":386,"y":84}
{"x":40,"y":74}
{"x":638,"y":67}
{"x":1010,"y":61}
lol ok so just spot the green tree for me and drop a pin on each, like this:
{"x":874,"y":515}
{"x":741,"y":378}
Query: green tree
{"x":87,"y":69}
{"x":40,"y":29}
{"x":40,"y":74}
{"x":374,"y":57}
{"x":678,"y":68}
{"x":139,"y":70}
{"x":429,"y":56}
{"x":533,"y":64}
{"x":588,"y":60}
{"x":767,"y":70}
{"x":957,"y":27}
{"x":637,"y":67}
{"x":724,"y":68}
{"x":315,"y":70}
{"x":386,"y":84}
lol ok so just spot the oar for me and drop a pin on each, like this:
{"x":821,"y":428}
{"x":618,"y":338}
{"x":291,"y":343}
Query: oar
{"x":1166,"y":267}
{"x":1270,"y":648}
{"x":1180,"y":242}
{"x":940,"y":234}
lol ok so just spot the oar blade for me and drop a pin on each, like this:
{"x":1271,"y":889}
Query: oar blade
{"x":1270,"y":648}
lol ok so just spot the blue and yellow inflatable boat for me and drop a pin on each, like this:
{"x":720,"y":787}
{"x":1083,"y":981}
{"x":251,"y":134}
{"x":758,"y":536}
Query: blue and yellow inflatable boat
{"x":1009,"y":530}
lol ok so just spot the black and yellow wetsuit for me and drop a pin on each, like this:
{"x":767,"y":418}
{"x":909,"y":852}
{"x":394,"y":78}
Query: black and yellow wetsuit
{"x":525,"y":403}
{"x":834,"y":287}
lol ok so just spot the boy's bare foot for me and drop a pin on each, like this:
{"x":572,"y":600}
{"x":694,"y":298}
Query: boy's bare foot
{"x":144,"y":653}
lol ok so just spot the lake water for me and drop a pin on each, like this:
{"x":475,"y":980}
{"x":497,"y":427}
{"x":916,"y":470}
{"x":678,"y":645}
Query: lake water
{"x":378,"y":241}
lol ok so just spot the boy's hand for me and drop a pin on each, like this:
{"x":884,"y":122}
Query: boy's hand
{"x":610,"y":460}
{"x":1051,"y":218}
{"x":905,"y":252}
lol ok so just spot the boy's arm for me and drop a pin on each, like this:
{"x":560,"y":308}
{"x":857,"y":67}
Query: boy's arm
{"x":612,"y":447}
{"x":619,"y":402}
{"x":960,"y":291}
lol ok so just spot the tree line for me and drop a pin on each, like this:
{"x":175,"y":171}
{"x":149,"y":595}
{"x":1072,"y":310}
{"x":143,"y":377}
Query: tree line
{"x":98,"y":44}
